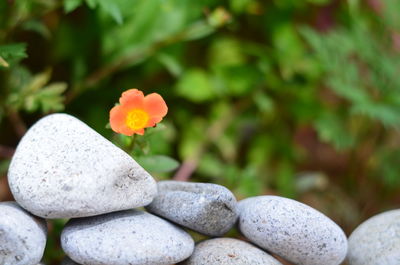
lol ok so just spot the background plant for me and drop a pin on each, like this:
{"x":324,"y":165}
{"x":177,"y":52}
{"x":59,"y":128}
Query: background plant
{"x":296,"y":98}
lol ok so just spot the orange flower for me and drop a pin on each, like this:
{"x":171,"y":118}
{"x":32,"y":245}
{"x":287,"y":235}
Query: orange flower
{"x":137,"y":112}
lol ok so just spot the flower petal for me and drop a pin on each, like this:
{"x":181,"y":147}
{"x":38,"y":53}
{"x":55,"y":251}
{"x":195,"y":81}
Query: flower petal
{"x":125,"y":130}
{"x":153,"y":121}
{"x":155,"y":105}
{"x":118,"y":120}
{"x":139,"y":131}
{"x":132,"y":99}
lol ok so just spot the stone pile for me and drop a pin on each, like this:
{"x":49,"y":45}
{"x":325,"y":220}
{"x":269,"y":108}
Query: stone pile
{"x":64,"y":169}
{"x":376,"y":241}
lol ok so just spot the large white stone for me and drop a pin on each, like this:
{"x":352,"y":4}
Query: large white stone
{"x":64,"y":169}
{"x":376,"y":241}
{"x":22,"y":236}
{"x":128,"y":237}
{"x":292,"y":230}
{"x":229,"y":251}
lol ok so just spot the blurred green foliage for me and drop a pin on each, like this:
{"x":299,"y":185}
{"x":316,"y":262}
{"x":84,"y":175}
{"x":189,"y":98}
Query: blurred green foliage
{"x":297,"y":98}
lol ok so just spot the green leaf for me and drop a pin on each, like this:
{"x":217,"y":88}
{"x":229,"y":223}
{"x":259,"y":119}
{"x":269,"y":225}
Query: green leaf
{"x":38,"y":81}
{"x":263,"y":102}
{"x":211,"y":165}
{"x":287,"y":42}
{"x":288,"y":49}
{"x":3,"y":62}
{"x":71,"y":5}
{"x":25,"y":86}
{"x":238,"y":80}
{"x":248,"y":182}
{"x":111,"y":8}
{"x":49,"y":98}
{"x":349,"y":90}
{"x":91,"y":3}
{"x":331,"y":129}
{"x":387,"y":115}
{"x":38,"y":27}
{"x":157,"y":163}
{"x":11,"y":53}
{"x":226,"y":52}
{"x":138,"y":31}
{"x":171,"y":63}
{"x":198,"y":30}
{"x":195,"y":85}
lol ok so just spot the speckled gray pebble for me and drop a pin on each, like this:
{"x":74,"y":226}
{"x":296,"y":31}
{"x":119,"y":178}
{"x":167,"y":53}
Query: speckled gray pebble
{"x":207,"y":208}
{"x":64,"y":169}
{"x":376,"y":241}
{"x":128,"y":237}
{"x":22,"y":236}
{"x":229,"y":251}
{"x":292,"y":230}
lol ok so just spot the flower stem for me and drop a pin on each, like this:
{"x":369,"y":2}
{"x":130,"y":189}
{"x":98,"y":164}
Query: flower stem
{"x":131,"y":146}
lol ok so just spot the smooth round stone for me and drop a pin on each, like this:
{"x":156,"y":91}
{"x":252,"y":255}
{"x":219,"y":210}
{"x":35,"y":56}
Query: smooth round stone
{"x":376,"y":241}
{"x":64,"y":169}
{"x":22,"y":236}
{"x":229,"y":251}
{"x":292,"y":230}
{"x":128,"y":237}
{"x":209,"y":209}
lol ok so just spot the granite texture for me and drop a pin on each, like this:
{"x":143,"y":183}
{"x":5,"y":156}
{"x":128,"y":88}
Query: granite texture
{"x":292,"y":230}
{"x":22,"y":236}
{"x":128,"y":237}
{"x":207,"y":208}
{"x":228,"y":251}
{"x":376,"y":241}
{"x":64,"y":169}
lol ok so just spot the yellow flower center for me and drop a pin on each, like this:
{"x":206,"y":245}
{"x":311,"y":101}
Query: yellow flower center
{"x":137,"y":119}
